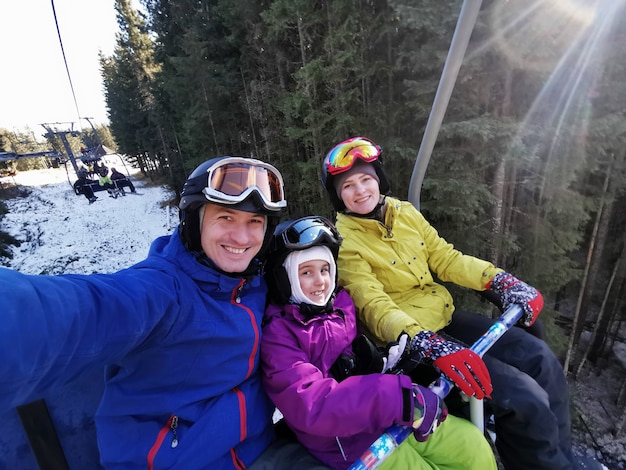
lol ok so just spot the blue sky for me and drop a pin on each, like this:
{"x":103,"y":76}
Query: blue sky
{"x":34,"y":86}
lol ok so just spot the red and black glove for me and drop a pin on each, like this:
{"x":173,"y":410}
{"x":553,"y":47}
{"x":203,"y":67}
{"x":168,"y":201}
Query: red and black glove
{"x":513,"y":291}
{"x":459,"y":364}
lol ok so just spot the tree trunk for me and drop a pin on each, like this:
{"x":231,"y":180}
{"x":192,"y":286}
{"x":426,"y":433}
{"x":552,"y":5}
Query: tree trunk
{"x":208,"y":109}
{"x":600,"y":329}
{"x":621,"y":402}
{"x":586,"y":288}
{"x":497,"y":218}
{"x":250,"y":114}
{"x":499,"y":186}
{"x":617,"y":316}
{"x":602,"y":340}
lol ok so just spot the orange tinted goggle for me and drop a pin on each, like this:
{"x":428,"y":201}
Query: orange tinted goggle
{"x":232,"y":180}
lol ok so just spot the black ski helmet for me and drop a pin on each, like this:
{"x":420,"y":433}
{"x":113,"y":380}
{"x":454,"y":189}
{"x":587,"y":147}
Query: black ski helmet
{"x":296,"y":235}
{"x":343,"y":156}
{"x":241,"y":183}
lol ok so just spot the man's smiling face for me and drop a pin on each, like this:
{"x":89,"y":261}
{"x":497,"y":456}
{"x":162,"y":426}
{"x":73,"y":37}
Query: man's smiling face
{"x":231,"y":238}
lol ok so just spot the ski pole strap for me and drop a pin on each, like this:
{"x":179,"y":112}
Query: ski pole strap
{"x":395,"y":434}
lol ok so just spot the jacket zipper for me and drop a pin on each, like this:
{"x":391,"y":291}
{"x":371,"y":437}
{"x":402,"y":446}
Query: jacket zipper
{"x":389,"y":232}
{"x":237,"y":292}
{"x":171,"y":425}
{"x":343,"y":454}
{"x":236,"y":300}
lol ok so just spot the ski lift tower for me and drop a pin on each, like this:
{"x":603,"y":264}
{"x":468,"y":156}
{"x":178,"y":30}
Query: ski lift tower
{"x":52,"y":133}
{"x":95,"y":141}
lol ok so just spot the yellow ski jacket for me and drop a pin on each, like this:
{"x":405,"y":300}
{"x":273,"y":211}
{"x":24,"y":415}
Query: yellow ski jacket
{"x":387,"y":269}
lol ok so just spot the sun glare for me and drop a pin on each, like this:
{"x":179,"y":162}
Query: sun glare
{"x":567,"y":42}
{"x":536,"y":34}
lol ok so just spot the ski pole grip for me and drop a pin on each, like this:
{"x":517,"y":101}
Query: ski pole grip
{"x":382,"y":448}
{"x":495,"y":331}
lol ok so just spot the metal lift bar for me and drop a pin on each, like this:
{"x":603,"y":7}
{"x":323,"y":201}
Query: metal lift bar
{"x":460,"y":40}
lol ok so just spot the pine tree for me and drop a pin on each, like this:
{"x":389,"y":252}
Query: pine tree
{"x":129,"y":81}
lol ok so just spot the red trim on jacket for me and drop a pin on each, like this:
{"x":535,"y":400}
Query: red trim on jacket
{"x":241,"y":399}
{"x":159,"y":441}
{"x":237,"y":463}
{"x":243,"y":433}
{"x":255,"y":328}
{"x":242,"y":426}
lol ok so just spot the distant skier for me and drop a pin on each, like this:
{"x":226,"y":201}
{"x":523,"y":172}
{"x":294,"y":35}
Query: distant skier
{"x":82,"y":186}
{"x":104,"y":180}
{"x":121,"y":181}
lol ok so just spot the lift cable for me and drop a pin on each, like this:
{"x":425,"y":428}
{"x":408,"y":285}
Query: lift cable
{"x":69,"y":76}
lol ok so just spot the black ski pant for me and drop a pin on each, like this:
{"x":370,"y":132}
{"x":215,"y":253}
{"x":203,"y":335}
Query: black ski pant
{"x":124,"y":183}
{"x":530,"y":398}
{"x":87,"y":191}
{"x":286,"y":454}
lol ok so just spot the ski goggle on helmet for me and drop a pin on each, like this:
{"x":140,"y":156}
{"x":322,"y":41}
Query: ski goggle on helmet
{"x":233,"y":179}
{"x":307,"y":232}
{"x":343,"y":156}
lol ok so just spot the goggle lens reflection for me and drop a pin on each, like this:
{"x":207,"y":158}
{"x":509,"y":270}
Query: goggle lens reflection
{"x":343,"y":156}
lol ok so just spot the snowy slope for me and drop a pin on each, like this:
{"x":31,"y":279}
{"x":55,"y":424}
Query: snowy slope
{"x":62,"y":232}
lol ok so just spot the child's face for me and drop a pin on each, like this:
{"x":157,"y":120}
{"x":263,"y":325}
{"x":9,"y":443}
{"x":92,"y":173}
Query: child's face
{"x":314,"y":276}
{"x":360,"y":193}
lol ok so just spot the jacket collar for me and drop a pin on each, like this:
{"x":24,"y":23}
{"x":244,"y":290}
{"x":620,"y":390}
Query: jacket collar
{"x":303,"y":313}
{"x":170,"y":249}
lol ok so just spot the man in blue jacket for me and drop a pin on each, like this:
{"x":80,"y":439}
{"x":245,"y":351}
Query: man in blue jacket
{"x":178,"y":333}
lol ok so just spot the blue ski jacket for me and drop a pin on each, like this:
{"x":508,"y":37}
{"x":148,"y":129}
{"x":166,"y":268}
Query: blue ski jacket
{"x":180,"y":344}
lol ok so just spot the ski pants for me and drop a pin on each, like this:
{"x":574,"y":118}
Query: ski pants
{"x":455,"y":445}
{"x":530,"y":398}
{"x":286,"y":454}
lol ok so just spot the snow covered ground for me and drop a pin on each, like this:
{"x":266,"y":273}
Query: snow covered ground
{"x":62,"y":233}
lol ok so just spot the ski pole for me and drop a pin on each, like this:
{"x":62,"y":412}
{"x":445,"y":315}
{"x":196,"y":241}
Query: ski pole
{"x":395,"y":434}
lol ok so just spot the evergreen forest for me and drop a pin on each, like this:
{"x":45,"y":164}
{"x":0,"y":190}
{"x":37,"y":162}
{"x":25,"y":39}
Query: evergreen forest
{"x":528,"y":167}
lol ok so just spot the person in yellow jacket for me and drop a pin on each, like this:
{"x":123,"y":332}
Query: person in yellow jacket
{"x":386,"y":263}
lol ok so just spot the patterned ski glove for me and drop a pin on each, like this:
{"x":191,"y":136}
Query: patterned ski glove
{"x":429,"y":411}
{"x":459,"y":364}
{"x":513,"y":291}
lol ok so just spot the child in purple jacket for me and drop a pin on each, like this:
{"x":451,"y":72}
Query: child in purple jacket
{"x":329,"y":382}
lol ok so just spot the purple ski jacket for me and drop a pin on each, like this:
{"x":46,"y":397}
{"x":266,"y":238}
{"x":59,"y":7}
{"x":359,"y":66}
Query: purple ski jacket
{"x":335,"y":421}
